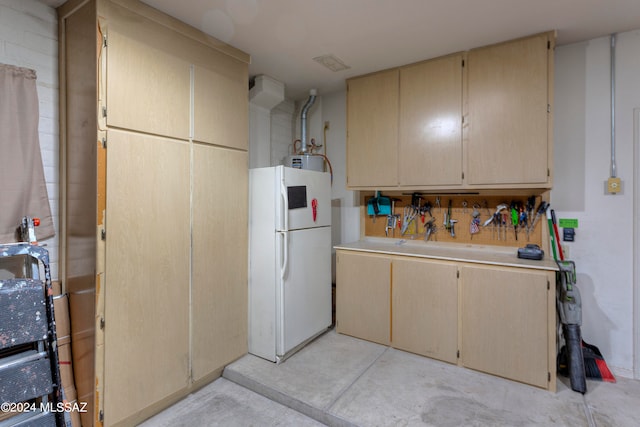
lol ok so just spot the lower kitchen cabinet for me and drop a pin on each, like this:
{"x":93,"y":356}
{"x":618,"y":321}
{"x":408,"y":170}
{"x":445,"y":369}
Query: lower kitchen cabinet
{"x":424,"y":306}
{"x":363,"y":293}
{"x":508,"y":323}
{"x":488,"y":317}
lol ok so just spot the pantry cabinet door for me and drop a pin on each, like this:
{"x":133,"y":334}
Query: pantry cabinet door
{"x":372,"y":130}
{"x":363,"y":292}
{"x":424,"y":308}
{"x":430,"y":145}
{"x":148,"y":90}
{"x":146,"y":289}
{"x":506,"y":313}
{"x":221,"y":106}
{"x":219,"y":291}
{"x":508,"y":101}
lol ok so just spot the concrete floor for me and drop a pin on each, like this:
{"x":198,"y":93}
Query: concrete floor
{"x":342,"y":381}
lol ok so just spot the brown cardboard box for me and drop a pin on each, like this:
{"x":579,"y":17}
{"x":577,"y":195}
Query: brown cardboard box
{"x":83,"y":336}
{"x":70,"y":393}
{"x":65,"y":365}
{"x":57,"y":287}
{"x":75,"y":415}
{"x":63,"y":323}
{"x":87,"y":416}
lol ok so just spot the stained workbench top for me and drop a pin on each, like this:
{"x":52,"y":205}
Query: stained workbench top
{"x":479,"y":254}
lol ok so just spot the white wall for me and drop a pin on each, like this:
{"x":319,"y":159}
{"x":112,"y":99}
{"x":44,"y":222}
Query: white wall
{"x":603,"y":250}
{"x":346,"y":215}
{"x":282,"y":130}
{"x":29,"y":38}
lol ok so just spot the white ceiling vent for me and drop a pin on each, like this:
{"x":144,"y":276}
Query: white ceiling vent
{"x":332,"y":62}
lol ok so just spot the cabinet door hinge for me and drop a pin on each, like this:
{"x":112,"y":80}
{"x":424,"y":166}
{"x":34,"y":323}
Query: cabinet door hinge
{"x":101,"y":416}
{"x":548,"y":108}
{"x":548,"y":172}
{"x":104,"y":111}
{"x":463,"y":63}
{"x":103,"y":234}
{"x":104,"y":41}
{"x":548,"y":285}
{"x":548,"y":44}
{"x":548,"y":377}
{"x":458,"y":274}
{"x":104,"y":143}
{"x":458,"y":354}
{"x":102,"y":323}
{"x":462,"y":175}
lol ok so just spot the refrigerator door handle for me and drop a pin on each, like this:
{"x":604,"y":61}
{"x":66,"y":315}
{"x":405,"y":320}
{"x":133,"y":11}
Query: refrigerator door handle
{"x":285,"y":250}
{"x":285,"y":200}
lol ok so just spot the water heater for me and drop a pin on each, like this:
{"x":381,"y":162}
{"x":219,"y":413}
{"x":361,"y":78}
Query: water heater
{"x":305,"y":161}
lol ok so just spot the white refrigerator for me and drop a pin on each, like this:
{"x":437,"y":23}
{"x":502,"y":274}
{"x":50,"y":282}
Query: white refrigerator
{"x":289,"y":259}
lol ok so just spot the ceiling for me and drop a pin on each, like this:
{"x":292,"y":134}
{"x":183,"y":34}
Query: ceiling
{"x":283,"y":36}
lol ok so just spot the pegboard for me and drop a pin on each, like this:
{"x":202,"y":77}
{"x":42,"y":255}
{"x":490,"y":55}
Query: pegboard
{"x":485,"y":205}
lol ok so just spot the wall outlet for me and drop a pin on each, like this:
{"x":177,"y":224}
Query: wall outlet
{"x":613,"y":186}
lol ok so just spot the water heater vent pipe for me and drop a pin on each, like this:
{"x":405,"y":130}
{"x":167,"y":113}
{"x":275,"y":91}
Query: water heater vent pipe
{"x":303,"y":120}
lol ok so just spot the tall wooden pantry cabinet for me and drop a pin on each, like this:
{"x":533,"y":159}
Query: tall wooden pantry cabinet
{"x":154,"y":134}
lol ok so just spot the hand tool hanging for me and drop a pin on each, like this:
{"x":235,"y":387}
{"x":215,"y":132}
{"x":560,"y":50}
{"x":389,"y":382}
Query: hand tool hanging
{"x":514,"y":218}
{"x":474,"y":226}
{"x":542,"y":208}
{"x":496,"y":219}
{"x":447,"y":217}
{"x":392,"y":219}
{"x":531,"y":204}
{"x":430,"y":229}
{"x":409,"y":214}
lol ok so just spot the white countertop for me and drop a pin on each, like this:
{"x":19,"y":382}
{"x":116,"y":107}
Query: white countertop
{"x":479,"y":254}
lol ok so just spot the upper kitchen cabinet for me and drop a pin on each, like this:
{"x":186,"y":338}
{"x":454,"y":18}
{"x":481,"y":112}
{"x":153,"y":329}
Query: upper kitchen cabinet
{"x":372,"y":130}
{"x":430,"y":142}
{"x":150,"y":74}
{"x":220,"y":97}
{"x":468,"y":121}
{"x":148,"y":89}
{"x":508,"y":125}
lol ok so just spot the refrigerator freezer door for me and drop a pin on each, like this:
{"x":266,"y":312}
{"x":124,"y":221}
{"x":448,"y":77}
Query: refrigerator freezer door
{"x":305,"y":291}
{"x":305,"y":198}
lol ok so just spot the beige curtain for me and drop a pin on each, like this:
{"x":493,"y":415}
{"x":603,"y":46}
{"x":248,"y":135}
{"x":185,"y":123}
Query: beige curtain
{"x":23,"y":191}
